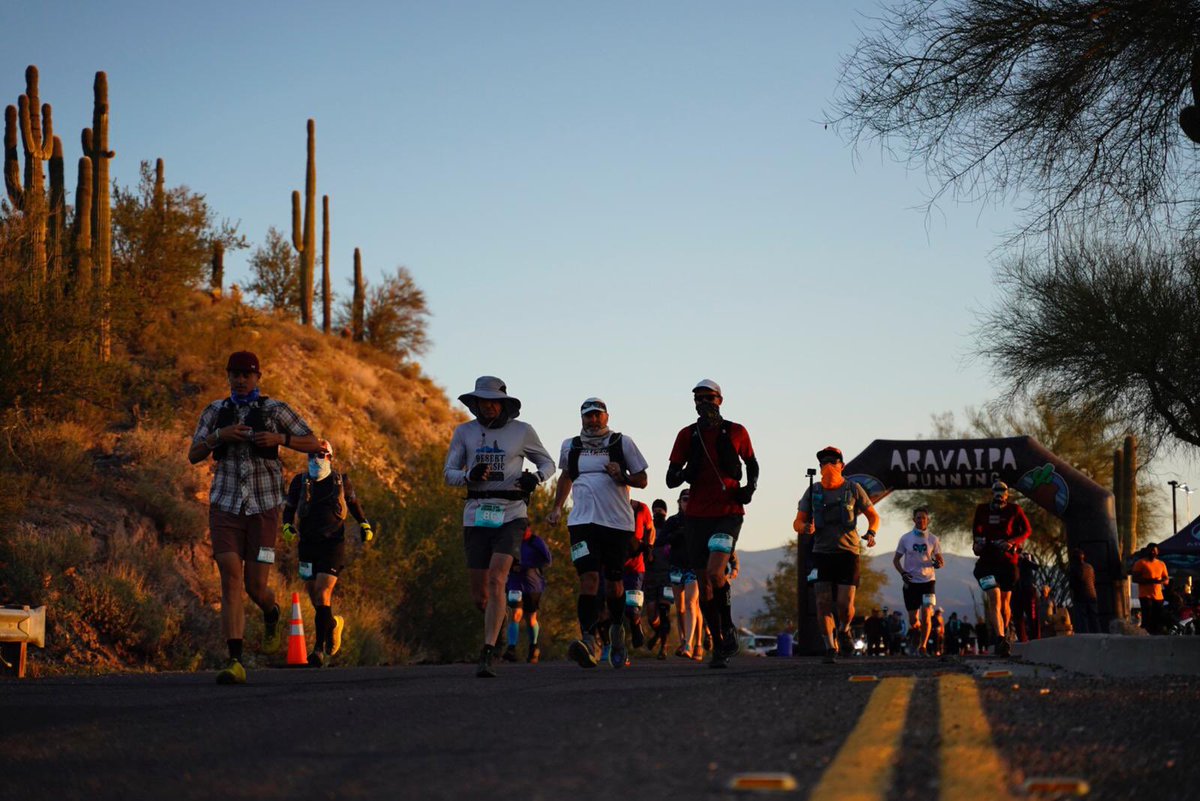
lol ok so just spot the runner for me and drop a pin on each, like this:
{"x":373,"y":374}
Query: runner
{"x":838,"y":503}
{"x":634,"y":577}
{"x":599,"y":466}
{"x":660,"y":595}
{"x":526,"y":583}
{"x":487,"y":455}
{"x":684,"y":585}
{"x":319,"y":500}
{"x":917,"y":555}
{"x":999,"y":529}
{"x":243,"y":434}
{"x":708,"y":455}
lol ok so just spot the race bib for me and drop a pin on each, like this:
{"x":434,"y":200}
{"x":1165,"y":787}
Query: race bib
{"x":812,"y":574}
{"x":266,"y":556}
{"x":676,"y":576}
{"x":514,"y":596}
{"x":668,"y":593}
{"x":634,"y":598}
{"x":720,"y":543}
{"x":929,"y":599}
{"x":306,"y":570}
{"x":578,"y":551}
{"x":988,"y":583}
{"x":489,"y":515}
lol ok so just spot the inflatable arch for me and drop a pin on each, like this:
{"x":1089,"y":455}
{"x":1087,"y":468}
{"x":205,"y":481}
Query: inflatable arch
{"x":1087,"y":509}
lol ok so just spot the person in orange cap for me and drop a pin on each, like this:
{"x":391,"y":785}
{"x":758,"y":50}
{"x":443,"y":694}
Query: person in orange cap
{"x":243,"y":433}
{"x":319,"y":500}
{"x":829,"y":511}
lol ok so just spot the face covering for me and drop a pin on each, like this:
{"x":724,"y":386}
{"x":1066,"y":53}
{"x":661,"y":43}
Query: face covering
{"x":244,"y":400}
{"x":998,"y":501}
{"x":319,"y":469}
{"x":709,"y":414}
{"x":593,"y":436}
{"x":831,"y":474}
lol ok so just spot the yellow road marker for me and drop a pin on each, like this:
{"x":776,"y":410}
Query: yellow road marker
{"x":863,"y":767}
{"x":864,"y":678}
{"x":1057,"y":786}
{"x":997,"y":674}
{"x":781,"y":782}
{"x":971,"y":769}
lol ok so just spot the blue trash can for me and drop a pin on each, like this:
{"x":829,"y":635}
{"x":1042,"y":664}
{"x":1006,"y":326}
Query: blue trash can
{"x":783,"y":644}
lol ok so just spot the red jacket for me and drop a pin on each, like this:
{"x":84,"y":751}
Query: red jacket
{"x":1007,"y":525}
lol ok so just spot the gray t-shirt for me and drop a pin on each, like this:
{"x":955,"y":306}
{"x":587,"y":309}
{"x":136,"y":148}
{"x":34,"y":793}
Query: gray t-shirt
{"x":837,"y":517}
{"x":504,"y":450}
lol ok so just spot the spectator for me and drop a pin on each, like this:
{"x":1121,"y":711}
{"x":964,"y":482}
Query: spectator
{"x":936,"y":645}
{"x":1046,"y":609}
{"x":953,"y":634}
{"x":875,"y":630}
{"x":1083,"y":592}
{"x":1150,"y":574}
{"x":982,"y":635}
{"x":1025,"y":601}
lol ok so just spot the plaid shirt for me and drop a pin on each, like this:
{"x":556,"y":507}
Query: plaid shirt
{"x":244,"y":484}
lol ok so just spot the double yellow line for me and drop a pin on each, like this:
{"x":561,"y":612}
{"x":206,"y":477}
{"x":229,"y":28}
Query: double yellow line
{"x":970,"y":768}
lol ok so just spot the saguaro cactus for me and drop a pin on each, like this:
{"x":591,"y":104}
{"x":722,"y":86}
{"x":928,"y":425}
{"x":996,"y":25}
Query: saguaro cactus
{"x":304,"y":240}
{"x":95,"y":147}
{"x":28,"y":192}
{"x":359,"y":304}
{"x":1129,"y":503}
{"x":160,"y":198}
{"x":326,"y":291}
{"x":56,"y":220}
{"x":81,"y":235}
{"x":218,"y":268}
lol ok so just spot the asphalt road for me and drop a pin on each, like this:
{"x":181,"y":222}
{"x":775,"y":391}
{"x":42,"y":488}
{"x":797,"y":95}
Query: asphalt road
{"x":657,"y":729}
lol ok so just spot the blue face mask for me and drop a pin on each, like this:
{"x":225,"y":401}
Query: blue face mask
{"x":318,"y":469}
{"x":244,"y":400}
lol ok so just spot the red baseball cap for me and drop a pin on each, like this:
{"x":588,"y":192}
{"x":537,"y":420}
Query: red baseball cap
{"x":243,"y":362}
{"x":830,"y":450}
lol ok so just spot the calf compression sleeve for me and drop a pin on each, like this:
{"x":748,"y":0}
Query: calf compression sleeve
{"x":534,"y":630}
{"x":514,"y":633}
{"x":616,"y":610}
{"x":721,"y":597}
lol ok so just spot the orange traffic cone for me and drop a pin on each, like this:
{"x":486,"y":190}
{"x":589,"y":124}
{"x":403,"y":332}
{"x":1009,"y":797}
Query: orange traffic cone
{"x":296,"y":646}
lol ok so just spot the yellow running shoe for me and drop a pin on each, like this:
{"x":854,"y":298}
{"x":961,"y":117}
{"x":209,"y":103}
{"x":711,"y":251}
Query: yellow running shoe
{"x":233,"y":673}
{"x":339,"y":623}
{"x":271,"y":631}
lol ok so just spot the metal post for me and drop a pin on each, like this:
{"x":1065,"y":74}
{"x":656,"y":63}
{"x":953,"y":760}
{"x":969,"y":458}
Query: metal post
{"x":1174,"y":516}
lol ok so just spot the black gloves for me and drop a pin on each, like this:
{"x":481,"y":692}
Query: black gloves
{"x":528,"y":482}
{"x":744,"y":494}
{"x":477,"y":472}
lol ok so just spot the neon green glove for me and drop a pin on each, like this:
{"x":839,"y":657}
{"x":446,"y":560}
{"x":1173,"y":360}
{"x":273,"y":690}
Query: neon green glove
{"x":367,"y":533}
{"x":289,"y":533}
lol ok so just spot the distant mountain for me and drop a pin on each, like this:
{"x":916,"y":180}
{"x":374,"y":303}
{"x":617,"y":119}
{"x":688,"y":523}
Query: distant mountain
{"x":957,"y":590}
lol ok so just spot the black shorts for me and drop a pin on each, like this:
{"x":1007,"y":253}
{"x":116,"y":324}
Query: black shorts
{"x":840,"y":568}
{"x":321,"y":556}
{"x":601,"y":550}
{"x":529,"y":602}
{"x":914,"y":595}
{"x":699,"y":531}
{"x":481,"y":542}
{"x":1004,"y":571}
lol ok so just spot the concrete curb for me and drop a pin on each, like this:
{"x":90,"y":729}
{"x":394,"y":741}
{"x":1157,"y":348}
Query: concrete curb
{"x":1115,"y":655}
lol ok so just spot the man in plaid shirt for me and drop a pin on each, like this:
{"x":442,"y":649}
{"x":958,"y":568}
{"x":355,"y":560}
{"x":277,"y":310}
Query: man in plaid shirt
{"x":243,"y":433}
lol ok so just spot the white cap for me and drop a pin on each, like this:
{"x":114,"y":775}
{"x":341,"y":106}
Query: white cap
{"x":707,"y":383}
{"x":593,"y":405}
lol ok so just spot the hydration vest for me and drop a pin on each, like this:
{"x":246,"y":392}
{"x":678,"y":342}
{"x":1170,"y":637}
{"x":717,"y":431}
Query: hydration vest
{"x":838,"y":510}
{"x":616,"y":453}
{"x":306,"y":497}
{"x":228,"y":415}
{"x":727,"y":461}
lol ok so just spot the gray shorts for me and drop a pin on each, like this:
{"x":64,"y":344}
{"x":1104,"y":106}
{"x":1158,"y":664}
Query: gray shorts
{"x":481,"y":542}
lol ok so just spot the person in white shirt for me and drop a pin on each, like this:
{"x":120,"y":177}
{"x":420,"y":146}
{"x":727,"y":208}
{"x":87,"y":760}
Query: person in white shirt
{"x":918,"y":555}
{"x":599,"y":466}
{"x":487,"y":455}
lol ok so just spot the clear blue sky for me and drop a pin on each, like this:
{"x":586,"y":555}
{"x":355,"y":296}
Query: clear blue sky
{"x":612,"y":200}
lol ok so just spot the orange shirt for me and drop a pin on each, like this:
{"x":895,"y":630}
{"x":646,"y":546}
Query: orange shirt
{"x":1146,"y":570}
{"x":643,"y":531}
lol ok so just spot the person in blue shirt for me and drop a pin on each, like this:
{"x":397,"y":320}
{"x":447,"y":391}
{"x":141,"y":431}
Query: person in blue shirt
{"x":526,"y":583}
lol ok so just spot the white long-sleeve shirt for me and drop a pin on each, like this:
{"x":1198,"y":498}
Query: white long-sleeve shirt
{"x":504,"y":450}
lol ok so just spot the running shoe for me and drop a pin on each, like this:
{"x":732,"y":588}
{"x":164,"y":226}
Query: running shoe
{"x":719,"y":662}
{"x":583,"y":652}
{"x":485,"y":670}
{"x":617,"y":655}
{"x":271,"y":638}
{"x":662,"y":654}
{"x":316,"y":659}
{"x":510,"y":654}
{"x":683,"y":653}
{"x":233,"y":673}
{"x":653,"y":641}
{"x":730,"y":647}
{"x":830,"y":656}
{"x":339,"y":624}
{"x":845,"y":646}
{"x":604,"y":651}
{"x":535,"y":654}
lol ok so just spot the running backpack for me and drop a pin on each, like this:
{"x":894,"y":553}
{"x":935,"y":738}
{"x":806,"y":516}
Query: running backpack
{"x":228,"y":415}
{"x":727,"y":463}
{"x":616,"y":453}
{"x":306,"y":497}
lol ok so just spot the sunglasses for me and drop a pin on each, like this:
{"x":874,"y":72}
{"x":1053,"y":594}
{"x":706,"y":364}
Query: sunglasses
{"x":829,"y":460}
{"x":319,"y":455}
{"x":706,"y":398}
